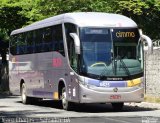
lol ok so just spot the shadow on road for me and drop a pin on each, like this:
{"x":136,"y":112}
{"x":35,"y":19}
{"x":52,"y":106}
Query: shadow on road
{"x":49,"y":108}
{"x":3,"y":96}
{"x":90,"y":108}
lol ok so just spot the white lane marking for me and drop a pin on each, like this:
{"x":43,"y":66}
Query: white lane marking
{"x":118,"y":121}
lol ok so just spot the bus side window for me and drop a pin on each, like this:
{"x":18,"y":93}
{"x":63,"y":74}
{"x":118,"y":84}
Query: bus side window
{"x":13,"y":44}
{"x":17,"y":44}
{"x":58,"y":44}
{"x":30,"y":42}
{"x":21,"y":44}
{"x":47,"y":39}
{"x":71,"y":28}
{"x":38,"y":40}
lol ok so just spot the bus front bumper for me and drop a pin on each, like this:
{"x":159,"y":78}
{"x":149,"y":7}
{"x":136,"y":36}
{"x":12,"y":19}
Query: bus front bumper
{"x":91,"y":96}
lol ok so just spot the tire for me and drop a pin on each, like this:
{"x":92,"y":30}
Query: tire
{"x":117,"y":106}
{"x":65,"y":103}
{"x":25,"y":99}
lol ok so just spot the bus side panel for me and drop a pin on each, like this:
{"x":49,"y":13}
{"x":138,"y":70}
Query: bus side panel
{"x":42,"y":65}
{"x":13,"y":76}
{"x":45,"y":89}
{"x":51,"y":68}
{"x":55,"y":72}
{"x":58,"y":66}
{"x":35,"y":76}
{"x":22,"y":69}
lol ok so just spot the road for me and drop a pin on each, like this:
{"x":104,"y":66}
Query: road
{"x":47,"y":111}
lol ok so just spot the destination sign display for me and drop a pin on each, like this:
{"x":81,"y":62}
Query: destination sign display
{"x":126,"y":34}
{"x":96,"y":31}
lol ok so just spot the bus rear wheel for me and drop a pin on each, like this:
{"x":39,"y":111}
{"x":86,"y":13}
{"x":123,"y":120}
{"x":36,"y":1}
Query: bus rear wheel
{"x":25,"y":99}
{"x":118,"y":106}
{"x":65,"y":103}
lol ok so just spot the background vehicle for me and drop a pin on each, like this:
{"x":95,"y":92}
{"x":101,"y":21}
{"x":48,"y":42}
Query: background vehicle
{"x":79,"y":57}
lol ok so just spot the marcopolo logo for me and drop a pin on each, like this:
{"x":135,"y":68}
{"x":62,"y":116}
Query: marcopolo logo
{"x":125,"y":34}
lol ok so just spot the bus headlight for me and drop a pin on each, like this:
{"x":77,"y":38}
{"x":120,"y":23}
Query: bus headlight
{"x":86,"y":84}
{"x":83,"y":83}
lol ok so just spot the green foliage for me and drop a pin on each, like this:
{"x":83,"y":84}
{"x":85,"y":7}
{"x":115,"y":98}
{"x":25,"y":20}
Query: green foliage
{"x":132,"y":6}
{"x":145,"y":13}
{"x":10,"y":18}
{"x":18,"y":13}
{"x":54,"y":7}
{"x":4,"y":35}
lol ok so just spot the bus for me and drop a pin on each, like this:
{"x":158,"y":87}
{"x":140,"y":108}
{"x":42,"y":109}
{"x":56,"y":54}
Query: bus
{"x":81,"y":57}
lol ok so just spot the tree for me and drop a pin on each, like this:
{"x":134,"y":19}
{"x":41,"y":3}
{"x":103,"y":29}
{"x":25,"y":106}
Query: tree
{"x":10,"y":19}
{"x":54,"y":7}
{"x":145,"y":13}
{"x":16,"y":13}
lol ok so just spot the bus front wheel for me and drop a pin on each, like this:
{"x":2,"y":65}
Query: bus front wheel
{"x":65,"y":103}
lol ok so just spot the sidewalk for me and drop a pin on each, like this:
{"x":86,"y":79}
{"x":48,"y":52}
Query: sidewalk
{"x":145,"y":105}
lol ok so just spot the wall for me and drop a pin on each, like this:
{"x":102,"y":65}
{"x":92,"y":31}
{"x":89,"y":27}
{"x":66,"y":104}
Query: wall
{"x":152,"y":73}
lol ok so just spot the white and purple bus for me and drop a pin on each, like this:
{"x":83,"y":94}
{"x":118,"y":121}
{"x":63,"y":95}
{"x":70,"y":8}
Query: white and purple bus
{"x":83,"y":57}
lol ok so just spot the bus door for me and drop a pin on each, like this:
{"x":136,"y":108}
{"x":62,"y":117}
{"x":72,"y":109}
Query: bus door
{"x":73,"y":77}
{"x":73,"y":88}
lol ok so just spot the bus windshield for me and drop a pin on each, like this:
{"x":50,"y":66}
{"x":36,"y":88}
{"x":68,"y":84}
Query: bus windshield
{"x":110,"y":52}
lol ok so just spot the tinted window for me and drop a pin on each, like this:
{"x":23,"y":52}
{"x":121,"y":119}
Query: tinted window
{"x":71,"y":28}
{"x":21,"y":44}
{"x":30,"y":42}
{"x":47,"y":39}
{"x":13,"y":44}
{"x":38,"y":40}
{"x":58,"y":39}
{"x":18,"y":44}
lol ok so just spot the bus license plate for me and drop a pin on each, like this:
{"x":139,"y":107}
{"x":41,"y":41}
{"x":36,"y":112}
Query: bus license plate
{"x":115,"y":97}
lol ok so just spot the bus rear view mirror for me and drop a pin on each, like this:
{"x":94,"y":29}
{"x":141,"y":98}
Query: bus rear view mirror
{"x":76,"y":42}
{"x":145,"y":38}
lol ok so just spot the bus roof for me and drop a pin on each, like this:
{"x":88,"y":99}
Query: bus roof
{"x":82,"y":19}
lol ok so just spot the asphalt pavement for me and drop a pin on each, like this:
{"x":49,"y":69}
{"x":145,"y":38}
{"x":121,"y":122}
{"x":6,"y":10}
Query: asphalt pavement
{"x":47,"y":111}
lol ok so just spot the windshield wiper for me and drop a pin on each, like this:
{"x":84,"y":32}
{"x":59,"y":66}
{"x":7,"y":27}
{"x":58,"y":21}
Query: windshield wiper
{"x":124,"y":66}
{"x":106,"y":69}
